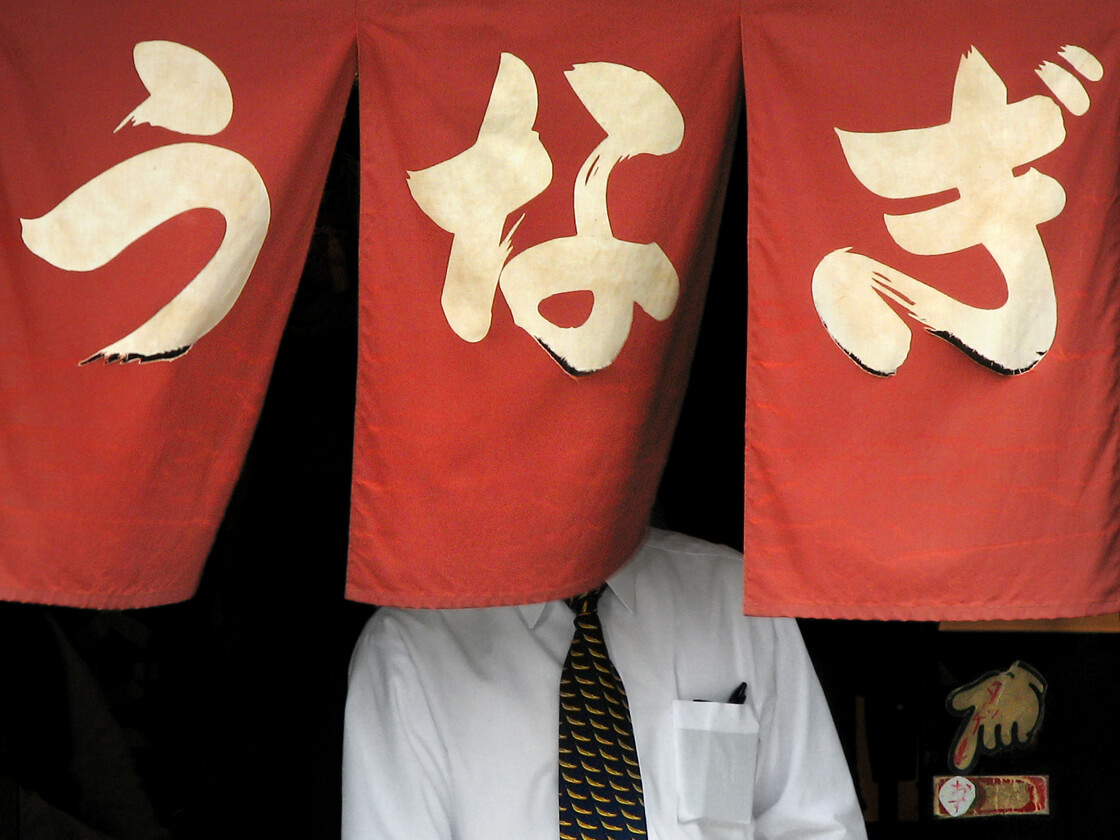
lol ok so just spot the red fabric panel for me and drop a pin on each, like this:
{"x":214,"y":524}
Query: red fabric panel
{"x":947,"y":490}
{"x":485,"y":471}
{"x":115,"y":476}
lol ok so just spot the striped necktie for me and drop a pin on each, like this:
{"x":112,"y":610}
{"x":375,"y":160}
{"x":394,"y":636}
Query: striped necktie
{"x":600,"y":785}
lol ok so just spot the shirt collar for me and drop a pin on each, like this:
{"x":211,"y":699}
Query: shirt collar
{"x":622,"y":583}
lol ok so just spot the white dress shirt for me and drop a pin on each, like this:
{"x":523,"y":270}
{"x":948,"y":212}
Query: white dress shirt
{"x":451,"y":718}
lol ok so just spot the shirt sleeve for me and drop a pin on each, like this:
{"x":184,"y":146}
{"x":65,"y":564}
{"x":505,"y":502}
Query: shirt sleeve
{"x":803,"y":788}
{"x":395,"y":784}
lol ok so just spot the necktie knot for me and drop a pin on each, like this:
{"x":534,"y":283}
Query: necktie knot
{"x":586,"y":603}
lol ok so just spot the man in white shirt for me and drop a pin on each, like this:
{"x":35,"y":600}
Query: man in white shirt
{"x":451,"y":718}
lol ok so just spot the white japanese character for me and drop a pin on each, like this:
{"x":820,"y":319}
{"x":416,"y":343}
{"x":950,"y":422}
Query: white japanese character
{"x":473,"y":193}
{"x":188,"y":94}
{"x":974,"y":153}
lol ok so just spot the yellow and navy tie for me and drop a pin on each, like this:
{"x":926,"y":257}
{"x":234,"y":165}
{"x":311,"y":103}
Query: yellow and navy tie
{"x":600,"y":784}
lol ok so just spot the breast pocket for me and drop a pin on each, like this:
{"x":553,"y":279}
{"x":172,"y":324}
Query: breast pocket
{"x":717,"y":750}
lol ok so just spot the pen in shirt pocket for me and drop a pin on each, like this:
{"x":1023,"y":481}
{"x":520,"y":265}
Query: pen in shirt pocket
{"x":738,"y":696}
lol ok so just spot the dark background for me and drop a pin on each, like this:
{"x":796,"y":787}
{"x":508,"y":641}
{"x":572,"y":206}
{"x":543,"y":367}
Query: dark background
{"x":222,"y":716}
